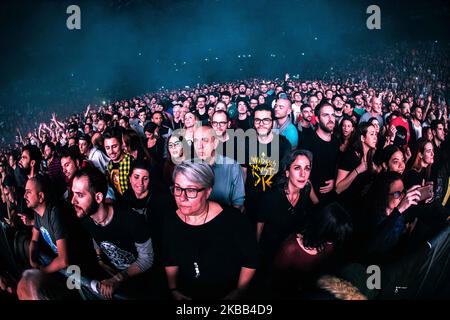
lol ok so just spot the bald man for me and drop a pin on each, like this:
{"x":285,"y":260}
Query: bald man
{"x":229,"y":186}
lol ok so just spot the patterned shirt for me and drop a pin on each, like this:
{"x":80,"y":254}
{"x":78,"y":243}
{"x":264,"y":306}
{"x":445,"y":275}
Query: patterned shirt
{"x":118,"y":174}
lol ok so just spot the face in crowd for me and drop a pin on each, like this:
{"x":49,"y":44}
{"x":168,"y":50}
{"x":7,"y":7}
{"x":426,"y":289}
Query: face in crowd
{"x":113,"y":148}
{"x":282,"y":108}
{"x":205,"y":142}
{"x":220,"y":123}
{"x":299,"y":172}
{"x":263,"y":122}
{"x":140,"y":182}
{"x":190,"y":197}
{"x":33,"y":196}
{"x":327,"y":119}
{"x":69,"y":167}
{"x":84,"y":202}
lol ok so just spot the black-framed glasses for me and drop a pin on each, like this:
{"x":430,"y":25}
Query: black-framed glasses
{"x":174,"y":144}
{"x":397,"y":194}
{"x":190,"y":193}
{"x":219,"y":123}
{"x":264,"y":121}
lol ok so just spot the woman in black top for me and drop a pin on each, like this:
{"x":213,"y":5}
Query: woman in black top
{"x":419,"y":165}
{"x":282,"y":210}
{"x":210,"y":251}
{"x":356,"y":168}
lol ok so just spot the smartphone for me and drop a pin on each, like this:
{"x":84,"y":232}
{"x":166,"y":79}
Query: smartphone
{"x":426,"y":192}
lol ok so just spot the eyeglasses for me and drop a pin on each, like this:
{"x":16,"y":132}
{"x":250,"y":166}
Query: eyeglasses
{"x":265,"y":121}
{"x":397,"y":194}
{"x":174,"y":145}
{"x":190,"y":193}
{"x":219,"y":123}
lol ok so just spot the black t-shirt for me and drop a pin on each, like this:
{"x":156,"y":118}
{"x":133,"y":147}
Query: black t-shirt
{"x":117,"y":239}
{"x":61,"y":223}
{"x":209,"y":256}
{"x":360,"y":185}
{"x":325,"y":155}
{"x":152,"y":208}
{"x":280,"y":218}
{"x":204,"y":118}
{"x":243,"y":124}
{"x":262,"y":169}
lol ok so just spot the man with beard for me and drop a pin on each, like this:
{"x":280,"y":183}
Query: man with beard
{"x":119,"y":234}
{"x":29,"y":164}
{"x":53,"y":166}
{"x":437,"y":127}
{"x":305,"y":126}
{"x":62,"y":233}
{"x":262,"y":158}
{"x":325,"y":149}
{"x":416,"y":121}
{"x":201,"y":110}
{"x":404,"y":121}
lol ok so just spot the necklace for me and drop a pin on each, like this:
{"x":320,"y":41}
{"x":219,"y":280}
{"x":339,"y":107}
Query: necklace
{"x":206,"y":216}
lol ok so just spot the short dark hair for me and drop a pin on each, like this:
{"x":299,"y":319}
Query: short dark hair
{"x":304,"y":106}
{"x":43,"y":185}
{"x":113,"y":133}
{"x":435,"y":123}
{"x":140,"y":164}
{"x":96,"y":179}
{"x":49,"y":144}
{"x":150,"y":127}
{"x":264,"y":107}
{"x":73,"y":152}
{"x":222,"y":112}
{"x":35,"y":154}
{"x":332,"y":224}
{"x":319,"y":108}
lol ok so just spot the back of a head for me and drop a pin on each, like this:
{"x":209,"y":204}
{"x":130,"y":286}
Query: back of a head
{"x":330,"y":224}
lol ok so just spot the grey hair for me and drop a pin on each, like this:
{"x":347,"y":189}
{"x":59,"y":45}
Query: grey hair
{"x":197,"y":172}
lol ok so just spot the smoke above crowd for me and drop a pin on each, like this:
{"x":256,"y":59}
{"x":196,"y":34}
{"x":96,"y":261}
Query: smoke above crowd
{"x":126,"y":48}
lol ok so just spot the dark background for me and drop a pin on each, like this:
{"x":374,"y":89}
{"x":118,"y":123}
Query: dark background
{"x":130,"y":47}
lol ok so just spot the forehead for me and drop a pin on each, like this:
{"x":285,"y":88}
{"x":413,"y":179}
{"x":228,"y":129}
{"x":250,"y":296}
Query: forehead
{"x":65,"y":160}
{"x":263,"y":114}
{"x":111,"y":141}
{"x":301,"y":160}
{"x":397,"y":155}
{"x":141,"y":172}
{"x":183,"y":181}
{"x":80,"y":184}
{"x":327,"y":110}
{"x":219,"y":116}
{"x":30,"y":185}
{"x":204,"y":132}
{"x":283,"y":102}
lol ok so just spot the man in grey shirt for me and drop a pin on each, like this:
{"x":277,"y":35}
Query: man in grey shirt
{"x":229,"y":189}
